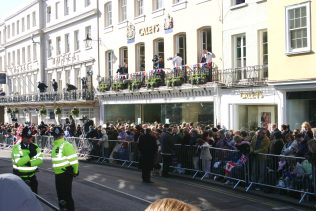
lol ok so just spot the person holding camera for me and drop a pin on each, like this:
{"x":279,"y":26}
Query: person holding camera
{"x":65,"y":166}
{"x":177,"y":63}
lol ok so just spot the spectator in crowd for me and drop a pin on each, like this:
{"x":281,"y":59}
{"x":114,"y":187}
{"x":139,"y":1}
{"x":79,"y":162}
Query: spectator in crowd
{"x":16,"y":195}
{"x":148,"y":148}
{"x":276,"y":144}
{"x":167,"y":150}
{"x":259,"y":144}
{"x":104,"y":144}
{"x":306,"y":130}
{"x":290,"y":144}
{"x":170,"y":204}
{"x":274,"y":129}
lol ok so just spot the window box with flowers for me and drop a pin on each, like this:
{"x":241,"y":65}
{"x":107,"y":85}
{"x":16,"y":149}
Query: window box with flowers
{"x":75,"y":111}
{"x":103,"y":87}
{"x":175,"y":81}
{"x":135,"y":84}
{"x":198,"y":79}
{"x":153,"y":82}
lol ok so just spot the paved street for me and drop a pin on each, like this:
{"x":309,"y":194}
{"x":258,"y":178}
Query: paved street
{"x":112,"y":188}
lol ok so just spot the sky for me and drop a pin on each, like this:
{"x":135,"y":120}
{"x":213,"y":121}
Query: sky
{"x":8,"y":7}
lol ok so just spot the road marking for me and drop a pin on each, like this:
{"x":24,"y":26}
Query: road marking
{"x":121,"y":192}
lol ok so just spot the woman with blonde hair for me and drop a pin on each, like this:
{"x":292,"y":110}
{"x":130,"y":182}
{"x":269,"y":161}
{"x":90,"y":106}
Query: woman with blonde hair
{"x":170,"y":204}
{"x":306,"y":130}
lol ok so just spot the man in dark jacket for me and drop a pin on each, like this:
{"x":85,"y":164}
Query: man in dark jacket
{"x":148,"y":148}
{"x":167,"y":150}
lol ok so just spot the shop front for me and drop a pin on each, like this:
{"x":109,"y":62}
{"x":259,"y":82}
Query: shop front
{"x":170,"y":113}
{"x":249,"y":108}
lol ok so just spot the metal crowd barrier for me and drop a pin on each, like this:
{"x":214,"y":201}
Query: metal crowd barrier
{"x":283,"y":173}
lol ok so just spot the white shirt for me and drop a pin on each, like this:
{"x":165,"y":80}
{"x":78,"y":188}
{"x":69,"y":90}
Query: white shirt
{"x":177,"y":61}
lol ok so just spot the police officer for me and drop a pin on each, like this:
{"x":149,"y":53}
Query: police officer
{"x":26,"y":158}
{"x":65,"y":167}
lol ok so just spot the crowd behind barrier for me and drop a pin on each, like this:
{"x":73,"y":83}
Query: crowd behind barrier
{"x":284,"y":164}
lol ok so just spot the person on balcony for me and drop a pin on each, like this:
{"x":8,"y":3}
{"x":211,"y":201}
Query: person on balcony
{"x":42,"y":87}
{"x":54,"y":85}
{"x":177,"y":63}
{"x":206,"y":60}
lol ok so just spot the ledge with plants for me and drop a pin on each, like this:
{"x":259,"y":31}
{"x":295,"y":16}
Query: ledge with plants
{"x":103,"y":87}
{"x":119,"y":86}
{"x":153,"y":82}
{"x":135,"y":84}
{"x":175,"y":81}
{"x":198,"y":79}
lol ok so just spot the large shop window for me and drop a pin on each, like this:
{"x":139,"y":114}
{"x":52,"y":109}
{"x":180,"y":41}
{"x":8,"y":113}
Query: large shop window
{"x":250,"y":117}
{"x":173,"y":113}
{"x":300,"y":107}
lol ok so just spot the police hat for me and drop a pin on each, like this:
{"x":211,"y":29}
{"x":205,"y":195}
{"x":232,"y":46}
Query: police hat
{"x":57,"y":131}
{"x":26,"y":132}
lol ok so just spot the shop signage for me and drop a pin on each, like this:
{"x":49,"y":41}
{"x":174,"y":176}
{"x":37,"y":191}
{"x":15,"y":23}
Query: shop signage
{"x":251,"y":95}
{"x":149,"y":30}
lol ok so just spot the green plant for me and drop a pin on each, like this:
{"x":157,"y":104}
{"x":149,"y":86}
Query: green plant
{"x":75,"y":111}
{"x":198,"y":79}
{"x":57,"y":111}
{"x":15,"y":111}
{"x":43,"y":111}
{"x":103,"y":87}
{"x":135,"y":85}
{"x":175,"y":81}
{"x":119,"y":86}
{"x":153,"y":82}
{"x":9,"y":111}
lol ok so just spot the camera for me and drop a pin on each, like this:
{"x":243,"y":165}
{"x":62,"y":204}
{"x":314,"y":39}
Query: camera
{"x":155,"y":59}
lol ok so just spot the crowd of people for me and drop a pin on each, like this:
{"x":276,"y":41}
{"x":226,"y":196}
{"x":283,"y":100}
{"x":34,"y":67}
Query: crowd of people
{"x":191,"y":146}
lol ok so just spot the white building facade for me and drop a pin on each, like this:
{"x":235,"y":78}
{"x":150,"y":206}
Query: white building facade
{"x":46,"y":40}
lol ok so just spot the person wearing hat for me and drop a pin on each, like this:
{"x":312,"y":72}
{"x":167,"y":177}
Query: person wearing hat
{"x":65,"y":166}
{"x":26,"y":158}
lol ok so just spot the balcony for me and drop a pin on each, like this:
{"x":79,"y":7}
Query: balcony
{"x":74,"y":96}
{"x":197,"y":75}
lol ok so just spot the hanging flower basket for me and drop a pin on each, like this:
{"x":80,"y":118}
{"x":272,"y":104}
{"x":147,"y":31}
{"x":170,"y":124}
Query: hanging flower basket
{"x":57,"y":111}
{"x":9,"y":111}
{"x":75,"y":111}
{"x":43,"y":111}
{"x":15,"y":111}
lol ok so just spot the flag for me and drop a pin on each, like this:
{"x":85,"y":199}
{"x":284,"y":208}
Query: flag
{"x":229,"y":166}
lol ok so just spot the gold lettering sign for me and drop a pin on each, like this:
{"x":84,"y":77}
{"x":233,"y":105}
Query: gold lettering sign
{"x":251,"y":95}
{"x":149,"y":30}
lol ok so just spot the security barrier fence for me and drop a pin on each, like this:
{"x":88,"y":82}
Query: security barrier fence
{"x":286,"y":174}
